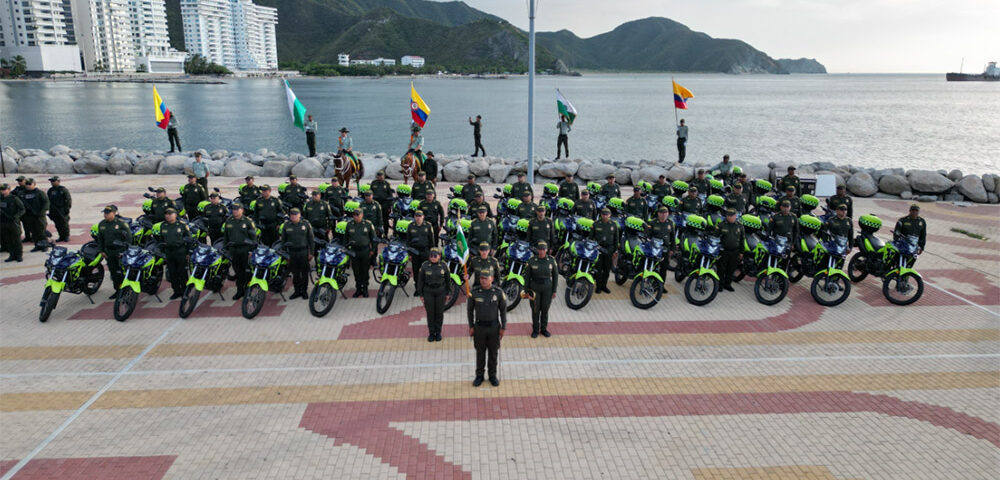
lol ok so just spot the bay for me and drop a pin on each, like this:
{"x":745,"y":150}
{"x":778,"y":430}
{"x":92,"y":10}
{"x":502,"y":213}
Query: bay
{"x":910,"y":121}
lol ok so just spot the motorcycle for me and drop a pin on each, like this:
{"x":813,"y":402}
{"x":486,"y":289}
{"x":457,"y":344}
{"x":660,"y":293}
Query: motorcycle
{"x":566,"y":224}
{"x":893,"y":262}
{"x":581,"y":260}
{"x":647,"y":285}
{"x":71,"y":272}
{"x":765,"y":208}
{"x":822,"y":260}
{"x":332,"y":263}
{"x":600,"y":200}
{"x":143,"y":268}
{"x":700,"y":252}
{"x":772,"y":282}
{"x":516,"y":258}
{"x":392,"y":267}
{"x":550,"y":196}
{"x":453,"y":260}
{"x":270,"y":272}
{"x":209,"y":267}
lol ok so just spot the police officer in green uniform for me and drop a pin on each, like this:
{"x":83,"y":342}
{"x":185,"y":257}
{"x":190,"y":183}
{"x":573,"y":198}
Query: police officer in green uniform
{"x":662,"y":188}
{"x":636,"y":205}
{"x":267,"y":213}
{"x":159,"y":205}
{"x":317,"y":212}
{"x":174,"y":236}
{"x":113,"y":237}
{"x":736,"y":200}
{"x":691,"y":204}
{"x":732,"y":235}
{"x":236,"y":232}
{"x":19,"y":189}
{"x":373,"y":211}
{"x":605,"y":233}
{"x":527,"y":208}
{"x":60,"y":203}
{"x":430,"y":165}
{"x":487,"y":315}
{"x":433,"y":211}
{"x":294,"y":194}
{"x":784,"y":223}
{"x":585,"y":207}
{"x":420,"y":237}
{"x":11,"y":210}
{"x":701,"y":183}
{"x":610,"y":190}
{"x":483,"y":229}
{"x":470,"y":189}
{"x":480,"y":201}
{"x":541,"y":282}
{"x":840,"y":224}
{"x":540,"y":228}
{"x":382,"y":193}
{"x":215,"y":214}
{"x":432,"y":281}
{"x":483,"y":261}
{"x":335,"y":195}
{"x":744,"y":180}
{"x":361,"y":241}
{"x":569,"y":189}
{"x":36,"y":205}
{"x":841,"y":198}
{"x":792,"y":199}
{"x":790,"y":180}
{"x":520,"y":187}
{"x":663,"y":227}
{"x":421,"y":186}
{"x":193,"y":194}
{"x":912,"y":224}
{"x":298,"y":238}
{"x":248,"y":191}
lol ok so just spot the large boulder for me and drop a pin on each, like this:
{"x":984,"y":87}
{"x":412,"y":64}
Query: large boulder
{"x":927,"y":198}
{"x":955,"y":175}
{"x":308,"y":168}
{"x":91,"y":164}
{"x":59,"y":150}
{"x":9,"y":164}
{"x":479,"y":167}
{"x":595,"y":171}
{"x":558,"y":169}
{"x":623,"y":176}
{"x":457,"y":171}
{"x":118,"y":164}
{"x":499,"y":172}
{"x":216,"y":167}
{"x":893,"y":184}
{"x":755,"y":171}
{"x":990,"y":182}
{"x":393,"y":170}
{"x":148,"y":165}
{"x":929,"y":181}
{"x":277,"y":168}
{"x":680,"y":173}
{"x":972,"y":187}
{"x":649,"y":174}
{"x":374,"y":164}
{"x":239,"y":169}
{"x":32,"y":164}
{"x":172,"y":165}
{"x":9,"y":152}
{"x":862,"y":184}
{"x":59,"y":164}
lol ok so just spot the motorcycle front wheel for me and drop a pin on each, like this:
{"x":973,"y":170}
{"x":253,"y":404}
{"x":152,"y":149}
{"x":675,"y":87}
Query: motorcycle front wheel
{"x":49,"y":301}
{"x":578,"y":293}
{"x":321,"y":300}
{"x":125,"y":303}
{"x":451,"y":295}
{"x":512,"y":290}
{"x":830,"y":291}
{"x":383,"y":300}
{"x":700,"y":290}
{"x":770,"y":289}
{"x":857,"y":268}
{"x":188,"y":301}
{"x":903,"y":289}
{"x":253,"y":302}
{"x":645,"y":292}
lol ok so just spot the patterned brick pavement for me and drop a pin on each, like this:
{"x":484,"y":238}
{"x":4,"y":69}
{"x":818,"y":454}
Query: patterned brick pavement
{"x":733,"y":390}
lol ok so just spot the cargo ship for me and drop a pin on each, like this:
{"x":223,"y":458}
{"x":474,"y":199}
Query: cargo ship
{"x":991,"y":74}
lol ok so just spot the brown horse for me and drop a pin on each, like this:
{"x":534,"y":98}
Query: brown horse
{"x":411,"y":166}
{"x":346,"y":167}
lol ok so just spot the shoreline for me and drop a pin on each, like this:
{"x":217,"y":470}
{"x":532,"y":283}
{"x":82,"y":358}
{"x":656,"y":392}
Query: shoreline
{"x":893,"y":183}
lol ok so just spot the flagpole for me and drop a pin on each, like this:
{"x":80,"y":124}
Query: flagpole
{"x":531,"y":91}
{"x":677,"y":123}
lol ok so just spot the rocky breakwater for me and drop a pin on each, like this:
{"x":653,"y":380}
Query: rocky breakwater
{"x":920,"y":185}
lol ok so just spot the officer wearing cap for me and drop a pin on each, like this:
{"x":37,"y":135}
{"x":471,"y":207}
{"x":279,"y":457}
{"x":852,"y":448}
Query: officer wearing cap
{"x":784,"y":223}
{"x":732,"y":236}
{"x":200,"y":171}
{"x":840,"y":224}
{"x":432,"y":282}
{"x":362,"y":242}
{"x":373,"y":211}
{"x":841,"y":198}
{"x":691,"y":204}
{"x":174,"y":237}
{"x":297,"y":236}
{"x":663,"y":227}
{"x":60,"y":203}
{"x":748,"y":193}
{"x":19,"y":189}
{"x":248,"y":191}
{"x":792,"y":199}
{"x":11,"y":210}
{"x":736,"y":200}
{"x":268,"y":212}
{"x":483,"y":261}
{"x":701,"y":183}
{"x":568,"y":188}
{"x":480,"y":202}
{"x":317,"y":212}
{"x":36,"y":205}
{"x":483,"y":229}
{"x":487,"y":314}
{"x":113,"y":237}
{"x":540,"y":228}
{"x":433,"y":210}
{"x":335,"y":195}
{"x":193,"y":194}
{"x":790,"y":180}
{"x":585,"y":207}
{"x":421,"y":186}
{"x":527,"y":208}
{"x":662,"y":188}
{"x":605,"y":233}
{"x":610,"y":190}
{"x":215,"y":214}
{"x":237,"y":231}
{"x":541,"y":283}
{"x":292,"y":193}
{"x":912,"y":224}
{"x":382,"y":193}
{"x":636,"y":205}
{"x":160,"y":204}
{"x":430,"y":166}
{"x":471,"y":189}
{"x":420,"y":237}
{"x":518,"y":188}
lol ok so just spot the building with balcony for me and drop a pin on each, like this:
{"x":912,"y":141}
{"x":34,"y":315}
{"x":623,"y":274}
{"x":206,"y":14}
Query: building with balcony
{"x":413,"y":61}
{"x":234,"y":33}
{"x":42,"y":32}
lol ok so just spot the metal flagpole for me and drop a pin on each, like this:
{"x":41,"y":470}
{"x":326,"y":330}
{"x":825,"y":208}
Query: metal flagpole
{"x":677,"y":123}
{"x":531,"y":90}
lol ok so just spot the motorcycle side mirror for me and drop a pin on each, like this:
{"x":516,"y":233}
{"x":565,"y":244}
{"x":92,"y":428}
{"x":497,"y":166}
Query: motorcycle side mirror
{"x":151,"y":189}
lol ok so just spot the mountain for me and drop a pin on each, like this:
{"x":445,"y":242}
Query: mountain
{"x":801,"y":65}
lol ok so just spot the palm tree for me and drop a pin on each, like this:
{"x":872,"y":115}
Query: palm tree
{"x":19,"y":66}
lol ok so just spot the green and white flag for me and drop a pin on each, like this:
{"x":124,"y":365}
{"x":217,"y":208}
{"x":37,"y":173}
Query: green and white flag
{"x":565,"y":108}
{"x":463,"y":244}
{"x":296,"y":108}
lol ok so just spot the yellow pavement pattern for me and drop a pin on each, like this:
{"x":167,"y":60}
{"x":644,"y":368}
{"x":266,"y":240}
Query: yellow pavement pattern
{"x":796,"y":472}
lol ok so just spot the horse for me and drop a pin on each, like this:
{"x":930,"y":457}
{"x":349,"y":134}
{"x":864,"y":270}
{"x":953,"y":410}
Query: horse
{"x":345,"y":169}
{"x":411,"y":166}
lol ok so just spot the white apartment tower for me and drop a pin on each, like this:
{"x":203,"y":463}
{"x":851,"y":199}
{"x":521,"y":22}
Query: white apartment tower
{"x":104,"y":30}
{"x":234,"y":33}
{"x":42,"y":32}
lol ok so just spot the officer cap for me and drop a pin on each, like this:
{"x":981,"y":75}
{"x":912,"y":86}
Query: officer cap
{"x":430,"y":154}
{"x":692,"y":189}
{"x":293,"y":177}
{"x":344,"y":130}
{"x":168,"y":211}
{"x":521,"y":174}
{"x":317,"y":192}
{"x":484,"y":246}
{"x":109,"y":209}
{"x":730,"y":211}
{"x":369,"y":193}
{"x":161,"y":190}
{"x":485,"y":273}
{"x":585,"y":192}
{"x":418,"y":213}
{"x":527,"y":193}
{"x":540,"y":208}
{"x":248,"y":178}
{"x":236,"y":206}
{"x":791,"y":168}
{"x":380,"y":173}
{"x":435,"y":252}
{"x":841,"y":187}
{"x":30,"y":181}
{"x":421,"y":174}
{"x":663,"y":209}
{"x":786,"y":203}
{"x":701,"y":171}
{"x":21,"y":178}
{"x":738,"y":186}
{"x":428,"y":192}
{"x":790,"y":188}
{"x":542,"y":246}
{"x":914,"y":206}
{"x":568,"y":175}
{"x":197,"y":154}
{"x":54,"y":179}
{"x":841,"y":207}
{"x":214,"y":195}
{"x":611,"y":175}
{"x":191,"y":175}
{"x":265,"y":187}
{"x":294,"y":211}
{"x":605,"y":211}
{"x":358,"y":212}
{"x":479,"y":194}
{"x":481,"y":209}
{"x":471,"y":177}
{"x":663,"y":177}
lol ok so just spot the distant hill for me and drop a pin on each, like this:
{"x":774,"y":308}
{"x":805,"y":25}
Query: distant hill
{"x":801,"y":65}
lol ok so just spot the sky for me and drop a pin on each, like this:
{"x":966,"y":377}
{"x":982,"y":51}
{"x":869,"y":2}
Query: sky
{"x":847,"y":36}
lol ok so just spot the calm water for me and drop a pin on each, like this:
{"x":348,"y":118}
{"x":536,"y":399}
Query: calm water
{"x":914,"y":121}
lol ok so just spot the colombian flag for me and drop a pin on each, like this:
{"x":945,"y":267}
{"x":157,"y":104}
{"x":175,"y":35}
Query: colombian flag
{"x":161,"y":110}
{"x":681,"y":95}
{"x":419,"y":110}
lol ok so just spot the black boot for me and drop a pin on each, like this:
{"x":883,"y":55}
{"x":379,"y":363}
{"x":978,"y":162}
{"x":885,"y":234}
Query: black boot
{"x":478,"y":381}
{"x":239,"y":294}
{"x":495,"y":381}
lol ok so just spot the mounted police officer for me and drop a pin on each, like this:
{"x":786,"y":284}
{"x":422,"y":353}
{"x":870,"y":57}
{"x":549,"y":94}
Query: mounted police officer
{"x":60,"y":203}
{"x":541,"y":282}
{"x":237,"y":231}
{"x":174,"y":236}
{"x":432,"y":281}
{"x":487,"y":315}
{"x":113,"y":237}
{"x":298,"y":238}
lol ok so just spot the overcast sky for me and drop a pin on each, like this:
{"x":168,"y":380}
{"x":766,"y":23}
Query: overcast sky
{"x":919,"y":36}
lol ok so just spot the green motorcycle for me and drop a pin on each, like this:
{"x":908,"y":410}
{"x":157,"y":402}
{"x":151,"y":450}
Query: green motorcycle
{"x":893,"y":261}
{"x":209,"y":267}
{"x":582,"y":260}
{"x":823,"y":260}
{"x":270,"y":272}
{"x":332,"y":263}
{"x":143,"y":268}
{"x":71,"y":272}
{"x":700,"y":251}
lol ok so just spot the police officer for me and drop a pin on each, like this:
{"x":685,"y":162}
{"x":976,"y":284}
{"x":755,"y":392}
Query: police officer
{"x":663,"y":227}
{"x":732,"y":236}
{"x":420,"y":237}
{"x":487,"y":315}
{"x":421,"y":186}
{"x":610,"y":190}
{"x":317,"y":212}
{"x":585,"y":207}
{"x":701,"y":183}
{"x":483,"y":261}
{"x":569,"y":189}
{"x":11,"y":210}
{"x":432,"y":280}
{"x":18,"y":191}
{"x":373,"y":211}
{"x":382,"y":192}
{"x":113,"y":237}
{"x":662,"y":188}
{"x":267,"y":212}
{"x":193,"y":194}
{"x":236,"y":231}
{"x":792,"y":199}
{"x":541,"y":283}
{"x":784,"y":223}
{"x":636,"y":205}
{"x":520,"y":187}
{"x":215,"y":214}
{"x":336,"y":195}
{"x":841,"y":198}
{"x":483,"y":229}
{"x":912,"y":224}
{"x":298,"y":238}
{"x":790,"y":180}
{"x":200,"y":171}
{"x":840,"y":224}
{"x":36,"y":205}
{"x":159,"y":205}
{"x":748,"y":194}
{"x":433,"y":211}
{"x":691,"y":204}
{"x":60,"y":203}
{"x":478,"y":202}
{"x":294,"y":194}
{"x":361,"y":241}
{"x":540,"y":228}
{"x":430,"y":166}
{"x":248,"y":191}
{"x":527,"y":208}
{"x":736,"y":200}
{"x":174,"y":237}
{"x":470,"y":189}
{"x":605,"y":233}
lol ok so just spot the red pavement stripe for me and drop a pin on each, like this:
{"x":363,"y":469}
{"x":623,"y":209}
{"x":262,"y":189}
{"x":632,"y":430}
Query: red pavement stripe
{"x":31,"y":277}
{"x":975,"y":256}
{"x":869,"y":290}
{"x":367,"y":424}
{"x":103,"y":468}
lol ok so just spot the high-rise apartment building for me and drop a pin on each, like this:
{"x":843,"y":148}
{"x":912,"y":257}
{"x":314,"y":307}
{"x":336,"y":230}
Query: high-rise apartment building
{"x":42,"y":32}
{"x":234,"y":33}
{"x":125,"y":36}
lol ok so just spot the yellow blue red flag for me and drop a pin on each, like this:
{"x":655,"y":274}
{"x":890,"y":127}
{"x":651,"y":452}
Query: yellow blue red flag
{"x":681,"y":95}
{"x":419,"y":110}
{"x":161,"y":110}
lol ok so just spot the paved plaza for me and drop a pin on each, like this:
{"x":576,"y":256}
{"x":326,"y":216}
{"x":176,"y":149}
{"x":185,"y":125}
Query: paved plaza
{"x":732,"y":390}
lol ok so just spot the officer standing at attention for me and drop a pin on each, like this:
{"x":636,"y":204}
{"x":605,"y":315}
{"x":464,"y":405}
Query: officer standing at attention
{"x":479,"y":201}
{"x":605,"y":233}
{"x":736,"y":200}
{"x":792,"y":200}
{"x":912,"y":224}
{"x":540,"y":229}
{"x":790,"y":180}
{"x":682,"y":138}
{"x":432,"y":279}
{"x":215,"y":214}
{"x":784,"y":223}
{"x":569,"y":189}
{"x":11,"y":210}
{"x":267,"y":211}
{"x":420,"y":237}
{"x":294,"y":194}
{"x":701,"y":183}
{"x":732,"y":237}
{"x":541,"y":282}
{"x":430,"y":166}
{"x":662,"y":227}
{"x":520,"y":187}
{"x":336,"y":195}
{"x":421,"y":186}
{"x":36,"y":205}
{"x":310,"y":128}
{"x":470,"y":189}
{"x":317,"y":212}
{"x":841,"y":198}
{"x":159,"y":205}
{"x":200,"y":171}
{"x":610,"y":190}
{"x":487,"y":314}
{"x":482,"y":262}
{"x":434,"y":212}
{"x":174,"y":236}
{"x":636,"y":205}
{"x":527,"y":208}
{"x":235,"y":232}
{"x":483,"y":229}
{"x":841,"y":225}
{"x":248,"y":191}
{"x":361,"y":241}
{"x":113,"y":237}
{"x":382,"y":193}
{"x":661,"y":188}
{"x":373,"y":211}
{"x":193,"y":194}
{"x":17,"y":192}
{"x":60,"y":203}
{"x":691,"y":204}
{"x":298,"y":238}
{"x":172,"y":135}
{"x":585,"y":207}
